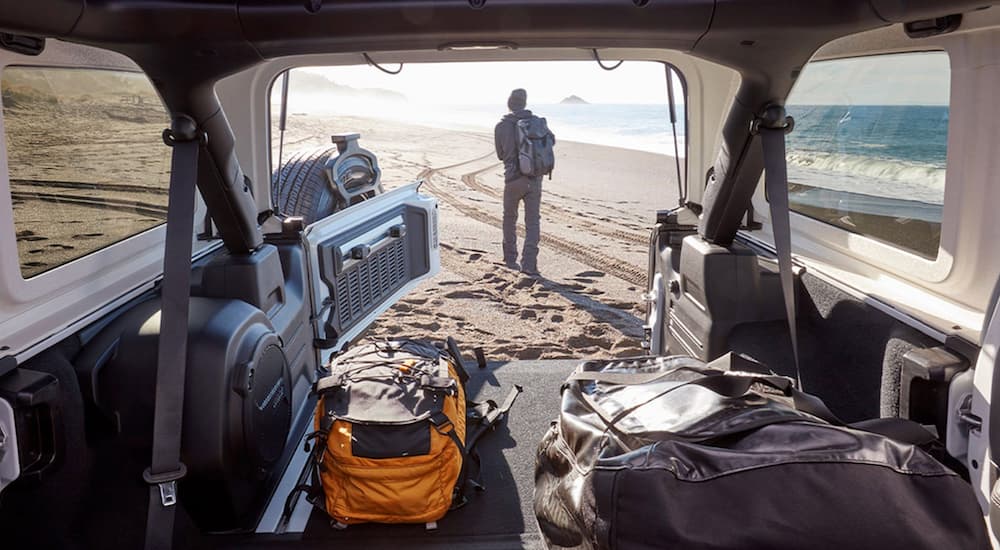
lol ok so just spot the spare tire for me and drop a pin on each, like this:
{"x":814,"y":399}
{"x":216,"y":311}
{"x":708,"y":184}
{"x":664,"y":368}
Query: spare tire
{"x":301,"y":188}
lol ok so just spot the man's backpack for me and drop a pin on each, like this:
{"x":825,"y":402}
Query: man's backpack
{"x":395,"y":435}
{"x":535,"y":155}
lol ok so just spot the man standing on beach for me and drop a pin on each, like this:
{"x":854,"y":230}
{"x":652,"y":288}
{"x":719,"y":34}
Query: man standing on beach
{"x":518,"y":186}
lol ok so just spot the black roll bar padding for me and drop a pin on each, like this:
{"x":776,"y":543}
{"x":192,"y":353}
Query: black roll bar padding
{"x":221,"y":181}
{"x":737,"y":168}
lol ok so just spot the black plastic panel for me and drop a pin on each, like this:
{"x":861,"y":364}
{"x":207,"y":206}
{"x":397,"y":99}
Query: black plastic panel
{"x":423,"y":24}
{"x":720,"y":288}
{"x":237,"y":405}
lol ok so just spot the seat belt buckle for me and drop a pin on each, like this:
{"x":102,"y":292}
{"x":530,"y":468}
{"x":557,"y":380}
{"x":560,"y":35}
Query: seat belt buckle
{"x":166,"y":482}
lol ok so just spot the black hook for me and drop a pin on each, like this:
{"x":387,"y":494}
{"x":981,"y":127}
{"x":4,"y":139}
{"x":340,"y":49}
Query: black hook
{"x":597,"y":58}
{"x":380,"y":67}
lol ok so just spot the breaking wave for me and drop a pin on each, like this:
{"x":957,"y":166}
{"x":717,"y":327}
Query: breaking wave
{"x":876,"y":168}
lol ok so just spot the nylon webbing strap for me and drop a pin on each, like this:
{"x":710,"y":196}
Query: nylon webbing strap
{"x":165,"y":466}
{"x":772,"y":128}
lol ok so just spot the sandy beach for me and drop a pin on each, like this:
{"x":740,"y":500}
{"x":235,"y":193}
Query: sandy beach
{"x":596,"y":214}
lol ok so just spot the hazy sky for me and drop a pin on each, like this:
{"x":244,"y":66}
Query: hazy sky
{"x":910,"y":79}
{"x":491,"y":82}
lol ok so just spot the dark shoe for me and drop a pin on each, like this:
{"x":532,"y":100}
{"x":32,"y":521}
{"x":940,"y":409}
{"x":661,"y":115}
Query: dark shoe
{"x":531,"y":273}
{"x":513,"y":266}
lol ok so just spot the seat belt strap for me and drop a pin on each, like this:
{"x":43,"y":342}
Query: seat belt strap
{"x":166,"y":467}
{"x":772,"y":127}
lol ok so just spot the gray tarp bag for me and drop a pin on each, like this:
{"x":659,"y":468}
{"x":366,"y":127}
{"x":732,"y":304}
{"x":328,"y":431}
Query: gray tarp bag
{"x":535,"y":155}
{"x":671,"y":453}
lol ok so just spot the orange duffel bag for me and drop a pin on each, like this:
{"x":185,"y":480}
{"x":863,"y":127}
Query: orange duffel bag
{"x":394,"y":433}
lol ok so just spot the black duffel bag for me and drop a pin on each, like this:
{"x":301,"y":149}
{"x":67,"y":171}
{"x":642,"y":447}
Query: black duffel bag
{"x":673,"y":453}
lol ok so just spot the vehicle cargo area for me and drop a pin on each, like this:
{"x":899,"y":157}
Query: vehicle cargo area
{"x":496,"y":274}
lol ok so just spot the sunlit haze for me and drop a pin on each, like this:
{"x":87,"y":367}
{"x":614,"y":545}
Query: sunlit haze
{"x":491,"y":82}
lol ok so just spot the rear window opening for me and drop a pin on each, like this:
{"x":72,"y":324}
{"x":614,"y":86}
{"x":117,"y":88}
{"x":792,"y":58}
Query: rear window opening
{"x":614,"y":168}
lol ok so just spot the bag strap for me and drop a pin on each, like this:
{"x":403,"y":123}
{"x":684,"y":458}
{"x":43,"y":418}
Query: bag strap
{"x":734,"y":384}
{"x":772,"y":127}
{"x":494,"y":415}
{"x":456,"y":354}
{"x":166,"y":467}
{"x":485,"y":415}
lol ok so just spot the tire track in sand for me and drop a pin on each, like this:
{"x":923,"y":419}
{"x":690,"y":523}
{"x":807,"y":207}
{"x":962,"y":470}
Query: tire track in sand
{"x":471,"y":180}
{"x":586,"y":255}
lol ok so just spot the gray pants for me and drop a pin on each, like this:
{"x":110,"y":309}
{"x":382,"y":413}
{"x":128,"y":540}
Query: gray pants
{"x":530,"y":191}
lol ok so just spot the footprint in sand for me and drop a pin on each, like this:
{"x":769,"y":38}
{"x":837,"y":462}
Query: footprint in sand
{"x":87,"y":235}
{"x":557,"y":318}
{"x":590,"y":274}
{"x":466,"y":294}
{"x":29,"y":236}
{"x":474,"y":257}
{"x":525,"y":282}
{"x":528,"y":314}
{"x":33,"y":264}
{"x":61,"y":246}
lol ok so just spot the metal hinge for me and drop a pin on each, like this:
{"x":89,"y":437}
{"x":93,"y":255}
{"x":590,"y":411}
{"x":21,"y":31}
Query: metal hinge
{"x":965,"y":416}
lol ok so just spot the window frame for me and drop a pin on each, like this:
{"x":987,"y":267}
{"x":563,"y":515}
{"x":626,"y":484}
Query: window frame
{"x":812,"y":236}
{"x":3,"y":136}
{"x":50,"y":305}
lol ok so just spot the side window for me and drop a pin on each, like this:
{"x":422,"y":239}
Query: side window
{"x":86,"y":162}
{"x":869,"y":146}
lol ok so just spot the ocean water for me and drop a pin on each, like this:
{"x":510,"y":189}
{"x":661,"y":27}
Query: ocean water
{"x":639,"y":127}
{"x":889,"y":151}
{"x":893,"y":151}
